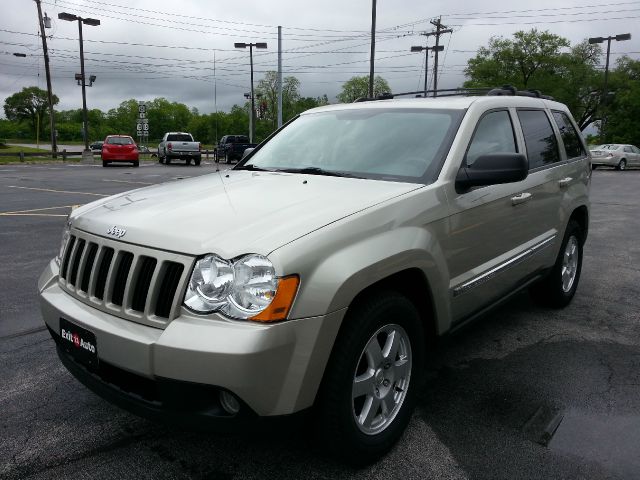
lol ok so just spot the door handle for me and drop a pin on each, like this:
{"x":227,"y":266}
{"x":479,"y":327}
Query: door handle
{"x":565,"y":182}
{"x":521,"y":198}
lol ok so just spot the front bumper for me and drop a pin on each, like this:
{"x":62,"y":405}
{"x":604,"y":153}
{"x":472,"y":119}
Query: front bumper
{"x":273,"y":369}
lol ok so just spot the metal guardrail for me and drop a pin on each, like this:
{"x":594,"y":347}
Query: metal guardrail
{"x":63,"y":154}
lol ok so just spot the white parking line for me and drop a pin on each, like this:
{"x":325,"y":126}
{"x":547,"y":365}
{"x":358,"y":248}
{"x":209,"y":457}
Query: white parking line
{"x":127,"y":181}
{"x":59,"y":191}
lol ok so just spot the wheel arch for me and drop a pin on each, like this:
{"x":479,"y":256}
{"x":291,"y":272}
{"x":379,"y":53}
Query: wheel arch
{"x":581,"y":215}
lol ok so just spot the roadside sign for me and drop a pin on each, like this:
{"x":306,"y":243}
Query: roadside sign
{"x":145,"y":127}
{"x":139,"y":127}
{"x":142,"y":109}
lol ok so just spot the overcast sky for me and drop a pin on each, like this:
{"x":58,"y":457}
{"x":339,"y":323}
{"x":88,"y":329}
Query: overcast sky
{"x":145,"y":49}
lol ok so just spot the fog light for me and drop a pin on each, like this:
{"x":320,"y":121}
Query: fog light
{"x":229,"y":402}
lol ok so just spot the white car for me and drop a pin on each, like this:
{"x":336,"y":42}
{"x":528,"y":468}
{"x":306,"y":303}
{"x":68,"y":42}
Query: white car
{"x":619,"y":156}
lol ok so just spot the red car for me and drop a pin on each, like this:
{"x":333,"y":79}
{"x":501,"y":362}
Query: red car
{"x":120,"y":148}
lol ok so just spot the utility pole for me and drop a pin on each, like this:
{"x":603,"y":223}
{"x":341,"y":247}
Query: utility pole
{"x":279,"y":76}
{"x":373,"y":47}
{"x":52,"y":121}
{"x":440,"y":30}
{"x":437,"y":48}
{"x":252,"y":114}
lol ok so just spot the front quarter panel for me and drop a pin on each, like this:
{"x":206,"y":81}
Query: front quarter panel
{"x":340,"y":260}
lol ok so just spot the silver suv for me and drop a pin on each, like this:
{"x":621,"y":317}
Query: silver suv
{"x":315,"y":272}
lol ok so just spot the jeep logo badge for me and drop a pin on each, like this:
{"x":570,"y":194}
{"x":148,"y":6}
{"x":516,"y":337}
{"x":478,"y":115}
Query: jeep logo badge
{"x":116,"y":232}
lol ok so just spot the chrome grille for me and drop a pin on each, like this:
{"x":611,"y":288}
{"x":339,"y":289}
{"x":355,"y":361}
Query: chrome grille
{"x":137,"y":283}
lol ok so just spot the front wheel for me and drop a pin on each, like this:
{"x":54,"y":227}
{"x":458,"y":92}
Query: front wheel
{"x":559,"y":286}
{"x":622,"y":165}
{"x":370,"y":384}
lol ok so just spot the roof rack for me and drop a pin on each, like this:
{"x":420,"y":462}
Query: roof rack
{"x":505,"y":90}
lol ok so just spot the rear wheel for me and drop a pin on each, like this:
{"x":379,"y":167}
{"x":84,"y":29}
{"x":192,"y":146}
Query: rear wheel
{"x":622,"y":165}
{"x":167,"y":160}
{"x":187,"y":161}
{"x":558,"y":288}
{"x":197,"y":161}
{"x":105,"y":163}
{"x":370,"y":384}
{"x":136,"y":163}
{"x":227,"y":157}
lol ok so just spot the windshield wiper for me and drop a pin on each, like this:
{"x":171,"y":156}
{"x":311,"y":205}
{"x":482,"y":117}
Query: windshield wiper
{"x":316,"y":171}
{"x":254,"y":168}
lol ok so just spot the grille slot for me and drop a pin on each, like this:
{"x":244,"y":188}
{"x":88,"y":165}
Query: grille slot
{"x":133,"y":282}
{"x":67,"y":257}
{"x":122,"y":274}
{"x":76,"y":262}
{"x":170,"y":277}
{"x":88,"y":267}
{"x":103,"y":271}
{"x":141,"y":290}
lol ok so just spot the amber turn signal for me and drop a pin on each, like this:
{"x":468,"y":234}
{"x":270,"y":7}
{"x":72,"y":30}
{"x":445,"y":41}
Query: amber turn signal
{"x":279,"y":308}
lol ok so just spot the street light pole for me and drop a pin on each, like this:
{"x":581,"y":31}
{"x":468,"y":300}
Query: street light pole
{"x":81,"y":78}
{"x":603,"y":98}
{"x":84,"y":91}
{"x":252,"y":114}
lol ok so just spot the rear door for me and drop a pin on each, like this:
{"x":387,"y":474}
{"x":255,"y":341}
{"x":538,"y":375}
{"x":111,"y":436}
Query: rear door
{"x":498,"y":230}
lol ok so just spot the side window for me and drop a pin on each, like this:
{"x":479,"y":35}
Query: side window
{"x":570,"y":137}
{"x":493,"y":134}
{"x":628,"y":149}
{"x":542,"y":146}
{"x":636,"y":149}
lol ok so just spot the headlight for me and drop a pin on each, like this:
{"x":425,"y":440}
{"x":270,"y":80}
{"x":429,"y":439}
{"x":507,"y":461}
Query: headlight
{"x":66,"y":234}
{"x":244,"y":288}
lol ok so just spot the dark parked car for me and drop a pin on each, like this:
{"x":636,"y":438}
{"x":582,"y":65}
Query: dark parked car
{"x":232,"y":147}
{"x":96,"y":146}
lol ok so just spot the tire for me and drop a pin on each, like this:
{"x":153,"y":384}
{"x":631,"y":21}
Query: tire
{"x":136,"y":163}
{"x":593,"y":167}
{"x":227,"y":157}
{"x":622,"y":165}
{"x":558,"y":288}
{"x":167,"y":160}
{"x":187,"y":162}
{"x":344,"y":425}
{"x":105,"y":163}
{"x":160,"y":159}
{"x":197,"y":161}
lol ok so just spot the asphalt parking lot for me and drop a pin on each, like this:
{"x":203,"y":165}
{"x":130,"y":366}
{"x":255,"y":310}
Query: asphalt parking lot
{"x":525,"y":393}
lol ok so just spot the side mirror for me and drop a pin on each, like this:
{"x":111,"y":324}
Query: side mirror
{"x":493,"y":169}
{"x":247,"y":151}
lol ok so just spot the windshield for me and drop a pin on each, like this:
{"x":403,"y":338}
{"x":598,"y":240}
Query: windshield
{"x":390,"y":144}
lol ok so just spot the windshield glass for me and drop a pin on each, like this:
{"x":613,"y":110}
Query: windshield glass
{"x":391,"y":144}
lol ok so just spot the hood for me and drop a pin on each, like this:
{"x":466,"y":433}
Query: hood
{"x":233,"y":213}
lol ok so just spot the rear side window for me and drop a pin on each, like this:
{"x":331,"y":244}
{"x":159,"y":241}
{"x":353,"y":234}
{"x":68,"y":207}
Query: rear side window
{"x":570,"y":136}
{"x":542,"y":146}
{"x":494,"y":134}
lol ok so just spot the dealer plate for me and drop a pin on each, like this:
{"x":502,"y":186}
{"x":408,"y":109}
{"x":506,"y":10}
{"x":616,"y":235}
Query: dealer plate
{"x":79,"y":342}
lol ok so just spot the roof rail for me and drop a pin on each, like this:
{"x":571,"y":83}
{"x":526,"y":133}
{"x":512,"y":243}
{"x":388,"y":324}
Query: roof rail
{"x":505,"y":90}
{"x":510,"y":90}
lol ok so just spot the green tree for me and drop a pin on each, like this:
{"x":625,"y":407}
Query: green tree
{"x":267,"y":98}
{"x":622,"y":112}
{"x":536,"y":60}
{"x":358,"y":87}
{"x":29,"y":105}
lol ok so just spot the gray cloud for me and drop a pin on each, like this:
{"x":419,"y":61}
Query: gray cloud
{"x":325,"y":44}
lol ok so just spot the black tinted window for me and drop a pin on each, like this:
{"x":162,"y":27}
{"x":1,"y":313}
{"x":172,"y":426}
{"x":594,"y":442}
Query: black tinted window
{"x":182,"y":137}
{"x":494,"y":134}
{"x":542,"y":147}
{"x":570,"y":137}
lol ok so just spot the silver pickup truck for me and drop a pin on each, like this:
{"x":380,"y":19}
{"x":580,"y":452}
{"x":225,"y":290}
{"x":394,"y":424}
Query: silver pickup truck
{"x":179,"y":145}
